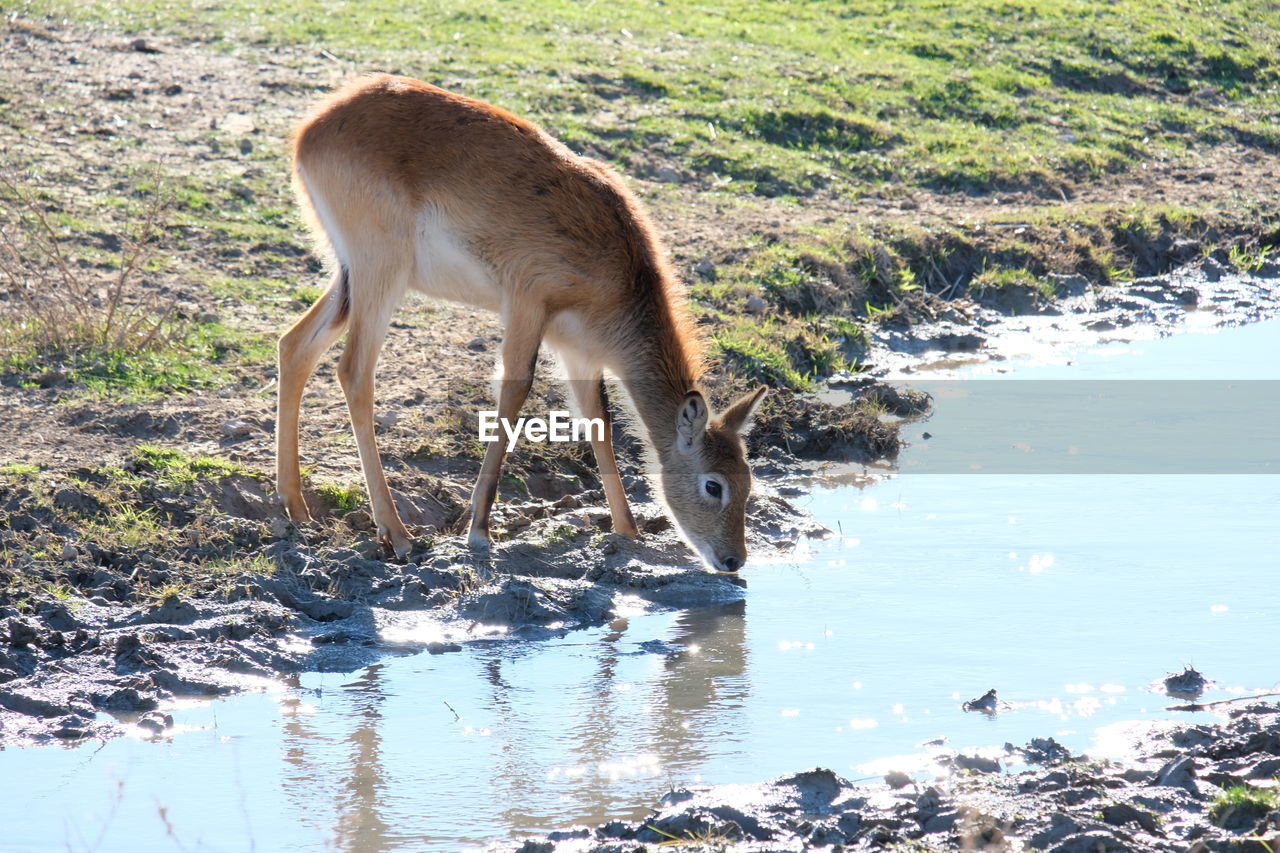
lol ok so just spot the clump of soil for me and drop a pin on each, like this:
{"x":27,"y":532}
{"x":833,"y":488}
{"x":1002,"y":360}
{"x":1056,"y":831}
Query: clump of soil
{"x":124,"y":588}
{"x":1191,"y":787}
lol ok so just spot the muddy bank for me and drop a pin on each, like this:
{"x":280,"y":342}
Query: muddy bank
{"x":1171,"y":795}
{"x":95,"y":638}
{"x":938,"y":334}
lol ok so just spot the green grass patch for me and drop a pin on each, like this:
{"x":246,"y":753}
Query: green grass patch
{"x":125,"y":527}
{"x":207,"y":355}
{"x":1243,"y":804}
{"x":788,"y":99}
{"x":179,"y":470}
{"x":253,"y":564}
{"x":19,"y":469}
{"x":342,"y":499}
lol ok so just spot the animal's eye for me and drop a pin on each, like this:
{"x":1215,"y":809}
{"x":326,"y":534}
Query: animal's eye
{"x":713,"y":488}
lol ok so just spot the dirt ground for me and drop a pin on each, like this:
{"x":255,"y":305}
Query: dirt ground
{"x":134,"y":570}
{"x":1034,"y":797}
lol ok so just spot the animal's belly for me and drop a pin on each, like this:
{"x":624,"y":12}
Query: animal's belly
{"x":447,"y":269}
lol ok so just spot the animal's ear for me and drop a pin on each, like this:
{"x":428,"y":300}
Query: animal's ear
{"x":738,"y":417}
{"x":691,"y":421}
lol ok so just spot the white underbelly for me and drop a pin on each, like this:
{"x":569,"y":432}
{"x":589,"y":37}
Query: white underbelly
{"x":446,"y":269}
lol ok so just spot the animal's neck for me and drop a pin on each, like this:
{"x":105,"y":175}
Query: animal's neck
{"x":660,"y":362}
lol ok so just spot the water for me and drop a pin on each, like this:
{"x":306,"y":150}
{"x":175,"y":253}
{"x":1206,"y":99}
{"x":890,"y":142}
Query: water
{"x":1068,"y":594}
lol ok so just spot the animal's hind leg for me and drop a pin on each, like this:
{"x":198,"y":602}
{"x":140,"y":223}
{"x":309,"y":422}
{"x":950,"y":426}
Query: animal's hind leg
{"x":300,"y":349}
{"x":376,"y":295}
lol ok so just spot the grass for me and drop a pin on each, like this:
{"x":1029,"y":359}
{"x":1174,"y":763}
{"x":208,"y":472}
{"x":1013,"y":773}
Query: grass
{"x":125,"y":527}
{"x":343,"y":499}
{"x":180,"y":470}
{"x":1243,"y":800}
{"x":743,"y":101}
{"x":792,"y":98}
{"x":76,"y":313}
{"x":1247,"y":260}
{"x":252,"y":564}
{"x":61,"y":306}
{"x":206,"y":356}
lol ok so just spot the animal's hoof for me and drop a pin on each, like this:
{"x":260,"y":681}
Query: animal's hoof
{"x":477,"y":541}
{"x":398,"y":541}
{"x":298,"y":512}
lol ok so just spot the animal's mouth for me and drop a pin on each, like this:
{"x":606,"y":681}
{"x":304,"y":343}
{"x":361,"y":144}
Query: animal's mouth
{"x":725,"y":566}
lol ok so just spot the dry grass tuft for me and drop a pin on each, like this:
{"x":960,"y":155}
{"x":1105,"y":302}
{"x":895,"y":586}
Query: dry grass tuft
{"x":56,"y":306}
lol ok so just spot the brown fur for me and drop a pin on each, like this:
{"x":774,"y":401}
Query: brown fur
{"x":409,"y":186}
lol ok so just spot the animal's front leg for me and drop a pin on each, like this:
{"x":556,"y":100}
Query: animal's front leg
{"x":519,"y":358}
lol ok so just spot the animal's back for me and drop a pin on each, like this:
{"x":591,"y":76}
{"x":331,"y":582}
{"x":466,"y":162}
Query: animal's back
{"x":477,"y":191}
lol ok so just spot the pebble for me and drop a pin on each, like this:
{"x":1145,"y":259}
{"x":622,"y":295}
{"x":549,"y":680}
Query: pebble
{"x":238,"y":428}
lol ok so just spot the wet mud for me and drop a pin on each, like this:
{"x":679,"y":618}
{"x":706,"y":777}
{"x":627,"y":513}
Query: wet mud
{"x":1172,"y":795}
{"x":117,"y":633}
{"x":947,"y":334}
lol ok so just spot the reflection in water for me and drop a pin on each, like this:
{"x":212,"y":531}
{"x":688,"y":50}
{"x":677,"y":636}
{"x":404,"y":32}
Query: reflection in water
{"x":627,"y":721}
{"x":704,"y":687}
{"x":359,"y":824}
{"x":351,"y":768}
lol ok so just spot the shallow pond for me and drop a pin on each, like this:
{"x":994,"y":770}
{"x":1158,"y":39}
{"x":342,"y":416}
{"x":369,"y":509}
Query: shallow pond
{"x":1070,"y":594}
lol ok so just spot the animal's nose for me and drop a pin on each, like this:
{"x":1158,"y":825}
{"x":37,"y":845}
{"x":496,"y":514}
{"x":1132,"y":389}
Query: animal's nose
{"x":731,"y":564}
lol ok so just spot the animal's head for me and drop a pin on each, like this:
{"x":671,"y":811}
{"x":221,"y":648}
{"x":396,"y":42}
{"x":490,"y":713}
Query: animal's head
{"x":706,"y":481}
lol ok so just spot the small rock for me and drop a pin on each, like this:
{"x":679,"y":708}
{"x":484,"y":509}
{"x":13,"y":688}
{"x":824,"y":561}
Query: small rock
{"x":668,"y":175}
{"x":283,"y":528}
{"x":944,"y":822}
{"x":358,"y":519}
{"x":326,"y":609}
{"x":986,"y":703}
{"x":237,"y":123}
{"x":1069,"y":284}
{"x":246,"y":146}
{"x":1178,"y":773}
{"x":975,"y":763}
{"x":141,"y":46}
{"x":1212,"y":269}
{"x":756,"y":305}
{"x":897,"y":779}
{"x":77,"y":501}
{"x":438,"y":648}
{"x":68,"y":553}
{"x":705,"y":268}
{"x":22,"y":633}
{"x":477,"y":344}
{"x":1095,"y":841}
{"x":386,"y":419}
{"x":155,"y":722}
{"x":1187,"y":684}
{"x":238,"y":428}
{"x":1119,"y":814}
